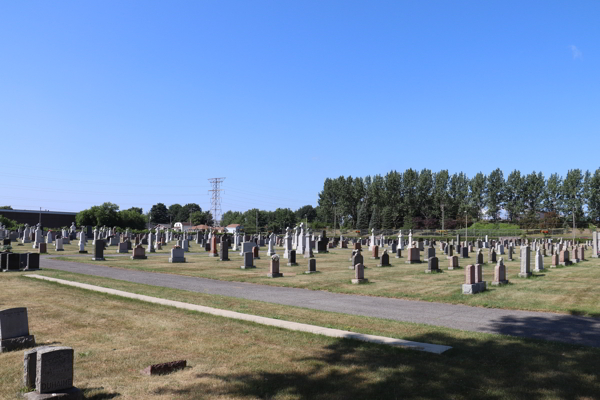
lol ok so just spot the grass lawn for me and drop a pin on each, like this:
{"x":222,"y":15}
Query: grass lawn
{"x":114,"y":338}
{"x":570,"y":290}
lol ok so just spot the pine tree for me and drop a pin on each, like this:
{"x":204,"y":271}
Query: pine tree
{"x":387,"y":218}
{"x":363,"y":217}
{"x":375,"y":222}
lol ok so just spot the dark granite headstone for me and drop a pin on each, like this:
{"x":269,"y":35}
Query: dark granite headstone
{"x":99,"y":250}
{"x":33,"y":261}
{"x":14,"y":262}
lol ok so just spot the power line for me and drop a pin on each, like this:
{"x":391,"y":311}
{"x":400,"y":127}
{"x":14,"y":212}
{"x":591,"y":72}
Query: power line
{"x":215,"y":200}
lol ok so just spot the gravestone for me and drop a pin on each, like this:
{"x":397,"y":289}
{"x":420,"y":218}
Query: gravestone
{"x":248,"y":261}
{"x":32,"y":262}
{"x":213,"y":247}
{"x":139,"y":253}
{"x":453,"y":262}
{"x":398,"y":253}
{"x":14,"y":330}
{"x":492,"y":256}
{"x":224,"y":250}
{"x":42,"y":248}
{"x":356,"y":259}
{"x":58,"y":245}
{"x":510,"y":253}
{"x":555,"y":260}
{"x":13,"y":262}
{"x":375,"y":255}
{"x":385,"y":259}
{"x":595,"y":244}
{"x":274,"y":267}
{"x":525,"y":262}
{"x":464,"y":252}
{"x":449,"y":251}
{"x":49,"y":370}
{"x":429,"y":252}
{"x":414,"y":256}
{"x":479,"y":257}
{"x":255,"y":252}
{"x":539,"y":261}
{"x":473,"y":280}
{"x":575,"y":258}
{"x":564,"y":258}
{"x":359,"y":274}
{"x":177,"y":255}
{"x":99,"y":250}
{"x":292,"y":258}
{"x":312,"y":266}
{"x":500,"y":274}
{"x":432,"y":265}
{"x":122,"y":248}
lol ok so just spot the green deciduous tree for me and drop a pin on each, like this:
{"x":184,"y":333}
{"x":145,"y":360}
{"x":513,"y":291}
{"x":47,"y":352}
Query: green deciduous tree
{"x":159,"y":214}
{"x":202,"y":218}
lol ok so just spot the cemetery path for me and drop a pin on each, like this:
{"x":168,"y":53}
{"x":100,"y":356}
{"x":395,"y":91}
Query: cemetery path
{"x":538,"y":325}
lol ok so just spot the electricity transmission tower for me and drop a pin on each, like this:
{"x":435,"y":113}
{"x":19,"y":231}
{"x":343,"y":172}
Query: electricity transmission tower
{"x":215,"y":199}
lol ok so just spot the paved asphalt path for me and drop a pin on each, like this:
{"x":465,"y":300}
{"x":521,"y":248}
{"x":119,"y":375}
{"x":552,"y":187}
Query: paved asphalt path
{"x":539,"y":325}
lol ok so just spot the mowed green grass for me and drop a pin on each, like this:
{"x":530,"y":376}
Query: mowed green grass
{"x":115,"y":338}
{"x":571,"y":290}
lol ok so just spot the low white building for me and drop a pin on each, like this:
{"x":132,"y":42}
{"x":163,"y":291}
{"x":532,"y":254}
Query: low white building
{"x":233,"y":228}
{"x":182,"y":226}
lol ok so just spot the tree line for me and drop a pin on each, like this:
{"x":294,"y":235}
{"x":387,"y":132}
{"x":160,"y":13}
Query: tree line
{"x":108,"y":214}
{"x":401,"y":200}
{"x":421,"y":199}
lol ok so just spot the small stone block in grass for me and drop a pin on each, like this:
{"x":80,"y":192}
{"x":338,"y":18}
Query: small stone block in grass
{"x":164,"y":368}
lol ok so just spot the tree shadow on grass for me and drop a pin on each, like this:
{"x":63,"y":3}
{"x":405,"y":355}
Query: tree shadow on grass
{"x":555,"y":327}
{"x":89,"y":394}
{"x":492,"y":367}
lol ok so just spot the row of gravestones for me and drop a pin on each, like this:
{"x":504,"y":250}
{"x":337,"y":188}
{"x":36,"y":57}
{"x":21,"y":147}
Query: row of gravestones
{"x":19,"y":261}
{"x":47,"y":370}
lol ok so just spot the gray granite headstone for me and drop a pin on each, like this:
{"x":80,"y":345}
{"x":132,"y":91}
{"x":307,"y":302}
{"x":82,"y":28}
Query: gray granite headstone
{"x":49,"y":371}
{"x":14,"y":329}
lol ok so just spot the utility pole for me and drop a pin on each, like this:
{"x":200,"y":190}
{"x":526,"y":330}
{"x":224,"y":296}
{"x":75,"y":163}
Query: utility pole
{"x":466,"y":230}
{"x":40,"y":216}
{"x":257,"y":222}
{"x":215,"y":200}
{"x":442,"y":205}
{"x":573,"y":225}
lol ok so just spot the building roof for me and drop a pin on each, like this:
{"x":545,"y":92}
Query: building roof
{"x":233,"y":225}
{"x":38,"y":212}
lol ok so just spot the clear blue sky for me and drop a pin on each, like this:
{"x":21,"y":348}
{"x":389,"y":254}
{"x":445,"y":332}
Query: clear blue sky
{"x":139,"y":102}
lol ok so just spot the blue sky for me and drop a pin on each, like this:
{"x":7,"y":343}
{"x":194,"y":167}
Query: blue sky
{"x":139,"y":102}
